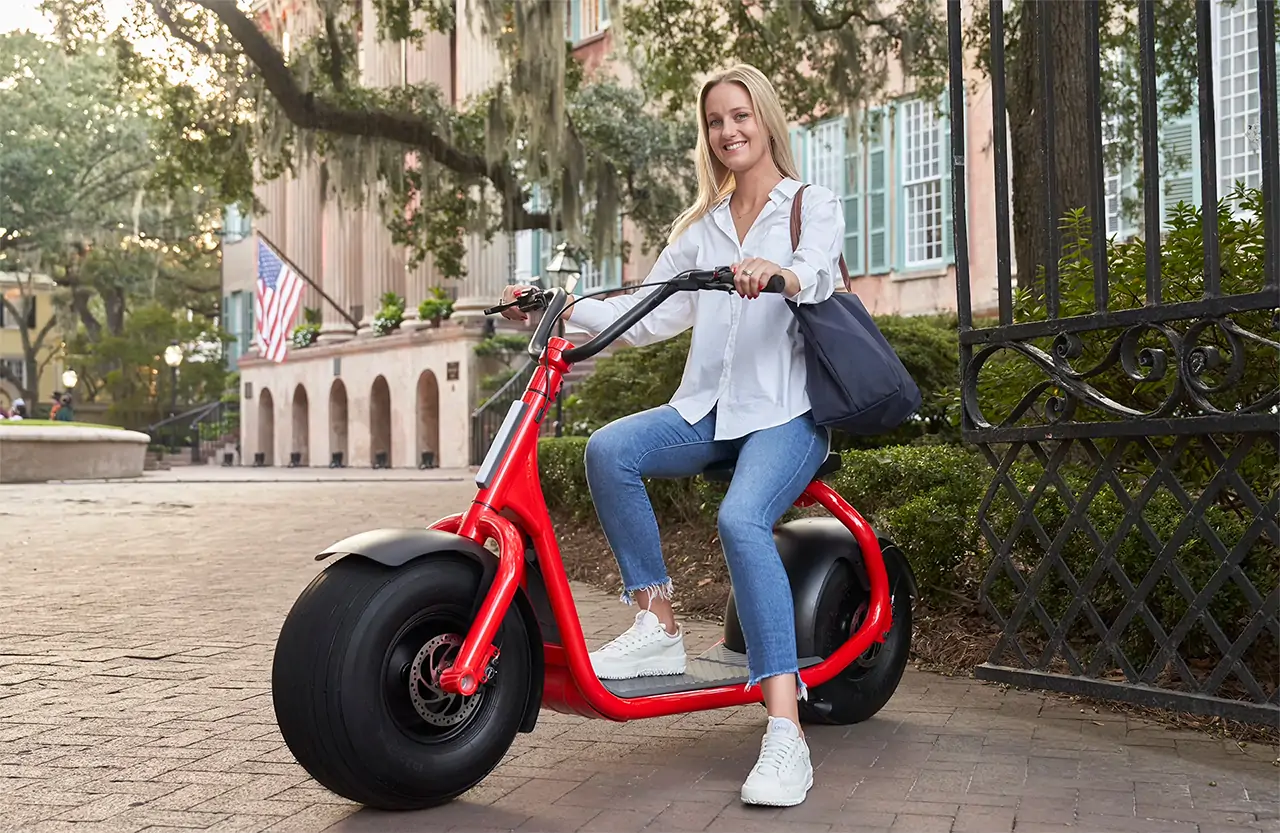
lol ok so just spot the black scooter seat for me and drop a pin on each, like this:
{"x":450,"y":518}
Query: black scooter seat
{"x":723,"y":472}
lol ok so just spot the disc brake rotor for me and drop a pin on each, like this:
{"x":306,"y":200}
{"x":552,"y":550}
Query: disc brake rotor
{"x":432,"y":703}
{"x":868,"y":657}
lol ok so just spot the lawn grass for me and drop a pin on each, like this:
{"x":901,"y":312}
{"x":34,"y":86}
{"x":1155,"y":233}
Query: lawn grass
{"x":39,"y":422}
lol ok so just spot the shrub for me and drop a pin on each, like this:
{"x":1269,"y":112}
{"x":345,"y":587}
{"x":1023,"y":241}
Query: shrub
{"x":390,"y":316}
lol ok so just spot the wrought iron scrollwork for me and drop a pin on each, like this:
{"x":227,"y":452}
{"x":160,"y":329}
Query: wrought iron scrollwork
{"x":1190,"y":361}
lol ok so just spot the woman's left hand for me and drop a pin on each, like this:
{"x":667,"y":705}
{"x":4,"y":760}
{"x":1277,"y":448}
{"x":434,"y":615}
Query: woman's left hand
{"x":753,"y":273}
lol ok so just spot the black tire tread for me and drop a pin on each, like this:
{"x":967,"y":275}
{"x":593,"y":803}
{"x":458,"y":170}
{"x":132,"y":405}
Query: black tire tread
{"x":843,"y":702}
{"x":311,"y":634}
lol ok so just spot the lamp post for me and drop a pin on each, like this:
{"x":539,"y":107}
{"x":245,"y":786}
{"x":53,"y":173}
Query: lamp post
{"x":173,"y":358}
{"x":69,"y":379}
{"x":564,"y":271}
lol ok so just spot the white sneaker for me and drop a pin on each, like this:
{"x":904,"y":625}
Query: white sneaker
{"x":645,"y":650}
{"x":783,"y":774}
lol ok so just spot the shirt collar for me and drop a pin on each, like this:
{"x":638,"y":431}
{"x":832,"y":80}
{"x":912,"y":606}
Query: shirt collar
{"x":787,"y":188}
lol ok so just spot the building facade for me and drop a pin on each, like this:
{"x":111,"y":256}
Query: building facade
{"x":19,"y":288}
{"x":388,"y":399}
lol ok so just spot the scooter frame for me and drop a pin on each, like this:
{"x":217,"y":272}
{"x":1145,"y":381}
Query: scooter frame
{"x":510,"y":505}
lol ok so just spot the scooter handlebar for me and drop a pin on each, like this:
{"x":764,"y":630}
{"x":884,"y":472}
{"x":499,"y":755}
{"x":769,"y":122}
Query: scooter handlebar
{"x":719,"y":280}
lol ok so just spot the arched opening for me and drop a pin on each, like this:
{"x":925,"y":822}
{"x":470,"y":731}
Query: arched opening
{"x":380,"y":424}
{"x":266,"y":428}
{"x":337,"y":424}
{"x":301,"y":428}
{"x":428,"y":420}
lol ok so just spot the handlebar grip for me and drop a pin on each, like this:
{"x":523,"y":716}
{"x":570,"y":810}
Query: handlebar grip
{"x":776,"y":284}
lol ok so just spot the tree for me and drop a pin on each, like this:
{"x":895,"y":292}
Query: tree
{"x":90,"y":198}
{"x":833,"y":56}
{"x":589,"y":147}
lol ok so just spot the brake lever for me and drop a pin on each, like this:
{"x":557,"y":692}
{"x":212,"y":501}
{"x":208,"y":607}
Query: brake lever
{"x":532,"y":300}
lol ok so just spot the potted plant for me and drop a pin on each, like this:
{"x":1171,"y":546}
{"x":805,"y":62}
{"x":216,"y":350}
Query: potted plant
{"x":390,"y":316}
{"x":436,"y":307}
{"x":306,"y":333}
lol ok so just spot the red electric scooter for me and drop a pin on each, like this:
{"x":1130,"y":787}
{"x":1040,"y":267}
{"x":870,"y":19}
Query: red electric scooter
{"x":404,"y":671}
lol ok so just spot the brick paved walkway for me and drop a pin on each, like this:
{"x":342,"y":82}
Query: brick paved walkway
{"x":136,"y":628}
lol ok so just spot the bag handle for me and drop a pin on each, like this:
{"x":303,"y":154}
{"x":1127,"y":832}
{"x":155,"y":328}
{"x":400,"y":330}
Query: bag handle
{"x":795,"y":234}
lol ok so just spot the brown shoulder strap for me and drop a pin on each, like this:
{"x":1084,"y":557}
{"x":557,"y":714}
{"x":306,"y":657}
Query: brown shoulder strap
{"x":795,"y":234}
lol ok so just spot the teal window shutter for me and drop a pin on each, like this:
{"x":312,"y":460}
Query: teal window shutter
{"x":877,"y":192}
{"x":1180,"y":180}
{"x":853,"y":199}
{"x":898,"y":148}
{"x":948,"y":221}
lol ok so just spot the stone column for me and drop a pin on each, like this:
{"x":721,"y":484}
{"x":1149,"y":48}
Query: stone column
{"x":341,"y":251}
{"x":383,"y":269}
{"x":303,"y":238}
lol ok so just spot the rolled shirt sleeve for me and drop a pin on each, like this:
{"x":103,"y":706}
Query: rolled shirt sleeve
{"x":816,"y":262}
{"x":672,"y":317}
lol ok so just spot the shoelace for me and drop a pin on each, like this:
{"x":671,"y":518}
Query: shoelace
{"x":632,"y":637}
{"x":774,"y":752}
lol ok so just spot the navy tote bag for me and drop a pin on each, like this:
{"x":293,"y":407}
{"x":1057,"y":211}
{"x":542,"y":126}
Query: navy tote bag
{"x":856,"y":382}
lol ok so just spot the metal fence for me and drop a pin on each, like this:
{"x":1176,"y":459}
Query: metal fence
{"x":1132,"y":516}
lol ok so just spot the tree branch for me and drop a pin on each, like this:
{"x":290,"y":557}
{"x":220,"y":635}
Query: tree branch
{"x":335,"y":54}
{"x":181,"y":34}
{"x":309,"y":111}
{"x":822,"y":23}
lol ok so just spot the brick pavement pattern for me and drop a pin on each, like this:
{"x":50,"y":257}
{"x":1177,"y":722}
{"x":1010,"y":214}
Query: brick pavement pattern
{"x":136,"y":628}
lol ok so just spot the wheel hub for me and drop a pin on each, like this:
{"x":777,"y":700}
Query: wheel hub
{"x":432,"y":703}
{"x":868,"y":657}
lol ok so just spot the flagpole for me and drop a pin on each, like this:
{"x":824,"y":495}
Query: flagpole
{"x":309,"y":282}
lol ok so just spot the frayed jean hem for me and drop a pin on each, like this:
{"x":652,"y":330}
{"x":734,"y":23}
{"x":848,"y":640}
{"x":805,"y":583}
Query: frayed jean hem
{"x":664,"y":590}
{"x":802,"y":690}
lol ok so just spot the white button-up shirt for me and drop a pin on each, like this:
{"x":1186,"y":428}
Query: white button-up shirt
{"x":746,"y":354}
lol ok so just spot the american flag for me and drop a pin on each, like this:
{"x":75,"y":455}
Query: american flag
{"x":275,"y":301}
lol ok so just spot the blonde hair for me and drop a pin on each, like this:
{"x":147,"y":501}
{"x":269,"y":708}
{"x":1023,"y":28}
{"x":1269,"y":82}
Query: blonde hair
{"x":715,"y":181}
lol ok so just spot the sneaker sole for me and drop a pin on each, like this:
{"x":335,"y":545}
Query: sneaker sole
{"x":662,"y":668}
{"x":774,"y":799}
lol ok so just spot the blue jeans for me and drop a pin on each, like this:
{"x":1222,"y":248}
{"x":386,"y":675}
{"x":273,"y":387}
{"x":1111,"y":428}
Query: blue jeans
{"x":773,"y":468}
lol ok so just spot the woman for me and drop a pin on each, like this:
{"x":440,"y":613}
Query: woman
{"x":742,"y":396}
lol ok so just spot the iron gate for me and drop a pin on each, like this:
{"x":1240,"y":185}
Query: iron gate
{"x":1132,"y":427}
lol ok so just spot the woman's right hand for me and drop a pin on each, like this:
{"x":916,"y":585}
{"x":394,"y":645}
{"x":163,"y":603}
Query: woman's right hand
{"x":509,"y":294}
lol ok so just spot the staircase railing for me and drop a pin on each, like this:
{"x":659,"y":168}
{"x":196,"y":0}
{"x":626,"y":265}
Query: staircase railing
{"x":198,"y":428}
{"x":486,"y":419}
{"x":214,"y":427}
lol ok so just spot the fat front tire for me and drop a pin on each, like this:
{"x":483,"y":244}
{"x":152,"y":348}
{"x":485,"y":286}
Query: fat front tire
{"x":353,"y":689}
{"x":862,"y":689}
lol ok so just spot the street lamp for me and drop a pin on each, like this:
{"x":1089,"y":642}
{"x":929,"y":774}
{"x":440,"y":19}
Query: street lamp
{"x":69,"y":379}
{"x":173,"y":358}
{"x":564,"y":271}
{"x":564,"y":264}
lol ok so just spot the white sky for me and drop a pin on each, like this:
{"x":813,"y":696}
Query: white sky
{"x":25,"y":14}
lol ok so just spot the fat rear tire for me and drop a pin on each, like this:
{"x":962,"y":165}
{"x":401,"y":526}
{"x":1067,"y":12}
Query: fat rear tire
{"x":862,"y":689}
{"x":341,"y":683}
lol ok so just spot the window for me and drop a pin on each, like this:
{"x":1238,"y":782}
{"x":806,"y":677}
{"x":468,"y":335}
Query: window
{"x":922,"y":184}
{"x":893,"y":174}
{"x":1239,"y":125}
{"x":236,"y":226}
{"x":587,"y":18}
{"x":535,"y":248}
{"x":17,"y":370}
{"x":8,"y":321}
{"x":1235,"y":47}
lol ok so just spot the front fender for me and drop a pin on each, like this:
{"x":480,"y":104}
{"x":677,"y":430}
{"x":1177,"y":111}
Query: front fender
{"x":395,"y":547}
